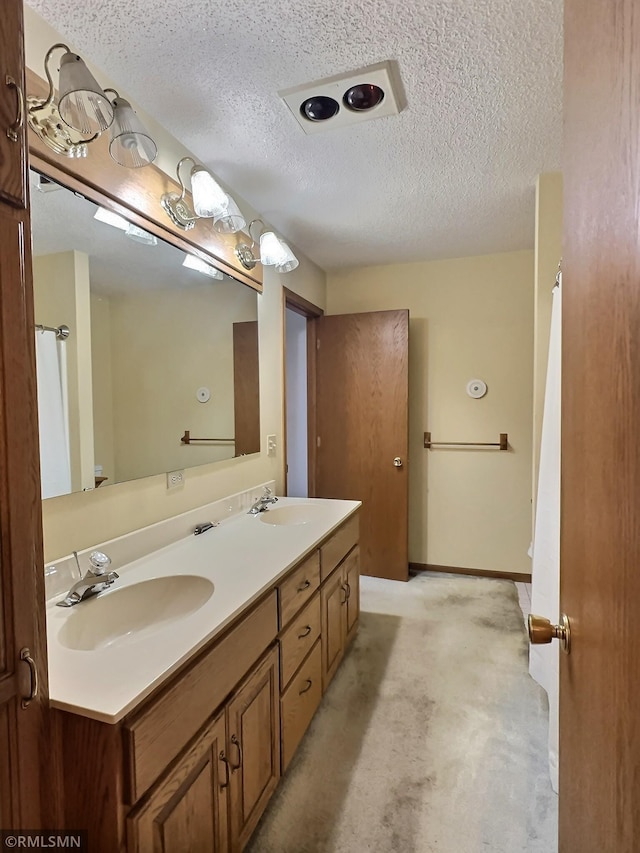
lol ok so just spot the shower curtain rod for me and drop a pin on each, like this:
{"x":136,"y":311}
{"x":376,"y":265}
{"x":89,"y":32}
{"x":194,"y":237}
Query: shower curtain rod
{"x":62,"y":332}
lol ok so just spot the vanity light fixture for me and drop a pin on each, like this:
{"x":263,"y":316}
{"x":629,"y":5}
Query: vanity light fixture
{"x":130,"y":144}
{"x":83,"y":112}
{"x":197,"y":264}
{"x":273,"y":251}
{"x":210,"y":201}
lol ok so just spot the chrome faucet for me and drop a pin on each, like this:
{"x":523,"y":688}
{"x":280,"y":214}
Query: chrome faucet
{"x":262,"y":504}
{"x":96,"y":580}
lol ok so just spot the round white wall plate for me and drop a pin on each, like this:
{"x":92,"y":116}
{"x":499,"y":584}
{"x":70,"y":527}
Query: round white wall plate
{"x":476,"y":388}
{"x":203,"y":394}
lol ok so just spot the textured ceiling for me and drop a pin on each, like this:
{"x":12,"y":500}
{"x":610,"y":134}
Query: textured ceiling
{"x":452,"y":175}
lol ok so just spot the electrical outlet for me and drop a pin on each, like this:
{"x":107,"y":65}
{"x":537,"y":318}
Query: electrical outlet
{"x":175,"y":479}
{"x":271,"y":445}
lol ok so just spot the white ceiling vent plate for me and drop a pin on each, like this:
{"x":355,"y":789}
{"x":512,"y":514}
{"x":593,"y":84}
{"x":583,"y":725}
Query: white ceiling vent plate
{"x":383,"y":75}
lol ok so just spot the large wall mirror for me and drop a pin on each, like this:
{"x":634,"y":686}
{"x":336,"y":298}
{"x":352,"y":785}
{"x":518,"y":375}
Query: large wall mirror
{"x":159,"y":344}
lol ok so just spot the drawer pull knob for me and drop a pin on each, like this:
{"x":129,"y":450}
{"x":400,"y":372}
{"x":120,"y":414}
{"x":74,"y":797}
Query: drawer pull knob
{"x":236,"y":743}
{"x":225,"y":761}
{"x":304,"y":586}
{"x":305,"y":632}
{"x":306,"y":689}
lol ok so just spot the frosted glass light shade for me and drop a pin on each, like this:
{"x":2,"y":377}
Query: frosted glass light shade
{"x":209,"y":199}
{"x":275,"y":252}
{"x":81,"y":102}
{"x":130,"y":145}
{"x":230,"y":221}
{"x":289,"y":261}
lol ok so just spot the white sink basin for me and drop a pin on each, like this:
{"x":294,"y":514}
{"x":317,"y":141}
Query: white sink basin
{"x":300,"y":514}
{"x":133,"y":611}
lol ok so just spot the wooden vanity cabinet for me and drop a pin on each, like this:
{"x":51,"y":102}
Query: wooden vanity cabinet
{"x":340,"y":608}
{"x":213,"y":797}
{"x":194,"y":766}
{"x":313,"y":639}
{"x":253,"y":748}
{"x":188,"y":809}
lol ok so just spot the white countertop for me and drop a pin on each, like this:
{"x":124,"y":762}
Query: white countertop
{"x":243,"y":558}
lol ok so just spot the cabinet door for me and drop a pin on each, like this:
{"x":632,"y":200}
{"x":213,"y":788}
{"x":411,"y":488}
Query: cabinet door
{"x":188,"y":809}
{"x":253,"y":745}
{"x":333,"y":598}
{"x":13,"y":168}
{"x":28,"y":799}
{"x":352,"y":579}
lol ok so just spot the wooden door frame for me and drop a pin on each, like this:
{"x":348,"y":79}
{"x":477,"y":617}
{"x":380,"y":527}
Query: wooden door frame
{"x":294,"y":302}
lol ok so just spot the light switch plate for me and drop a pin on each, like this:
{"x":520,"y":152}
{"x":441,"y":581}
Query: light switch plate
{"x":271,"y":445}
{"x":175,"y":479}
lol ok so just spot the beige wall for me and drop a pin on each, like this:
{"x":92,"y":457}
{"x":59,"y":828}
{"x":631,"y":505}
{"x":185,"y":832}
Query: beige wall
{"x":61,"y":297}
{"x":469,"y":318}
{"x":548,"y":252}
{"x":165,"y":345}
{"x":83,"y":519}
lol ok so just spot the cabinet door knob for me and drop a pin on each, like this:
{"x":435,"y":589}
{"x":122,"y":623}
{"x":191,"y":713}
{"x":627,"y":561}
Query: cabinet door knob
{"x":12,"y":130}
{"x":346,"y":597}
{"x":305,"y":632}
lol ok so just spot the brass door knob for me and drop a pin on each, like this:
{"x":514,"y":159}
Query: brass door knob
{"x":542,"y":631}
{"x":397,"y":462}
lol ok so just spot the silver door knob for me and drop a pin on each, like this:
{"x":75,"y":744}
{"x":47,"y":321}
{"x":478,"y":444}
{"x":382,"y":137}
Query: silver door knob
{"x":397,"y":462}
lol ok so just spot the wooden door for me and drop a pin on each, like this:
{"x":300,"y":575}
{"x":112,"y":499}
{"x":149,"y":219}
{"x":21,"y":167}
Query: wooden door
{"x":600,"y":536}
{"x":333,"y":597}
{"x":246,"y":388}
{"x":253,"y":747}
{"x":362,"y":394}
{"x":26,"y":799}
{"x":188,"y":809}
{"x":351,"y":571}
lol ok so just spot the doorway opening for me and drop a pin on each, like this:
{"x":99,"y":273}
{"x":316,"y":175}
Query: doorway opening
{"x":299,"y":394}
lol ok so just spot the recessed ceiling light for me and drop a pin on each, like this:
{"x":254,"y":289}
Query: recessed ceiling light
{"x":111,"y":218}
{"x":197,"y":264}
{"x":364,"y":96}
{"x":372,"y":92}
{"x":319,"y":108}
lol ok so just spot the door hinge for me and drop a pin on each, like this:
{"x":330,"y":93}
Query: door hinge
{"x":318,"y":442}
{"x":317,"y":343}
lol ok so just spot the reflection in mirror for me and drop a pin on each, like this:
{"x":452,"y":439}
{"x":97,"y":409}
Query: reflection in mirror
{"x":159,"y":344}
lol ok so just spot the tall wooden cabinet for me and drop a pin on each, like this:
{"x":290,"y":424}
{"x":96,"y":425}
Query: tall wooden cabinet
{"x":24,"y":791}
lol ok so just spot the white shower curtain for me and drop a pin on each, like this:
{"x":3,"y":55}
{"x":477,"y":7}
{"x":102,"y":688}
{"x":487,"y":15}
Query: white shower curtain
{"x":53,"y":415}
{"x":545,"y":588}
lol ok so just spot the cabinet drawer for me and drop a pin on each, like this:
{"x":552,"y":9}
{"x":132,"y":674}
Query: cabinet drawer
{"x":154,"y":736}
{"x":299,"y":703}
{"x":342,"y":541}
{"x":298,"y":588}
{"x":298,"y":639}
